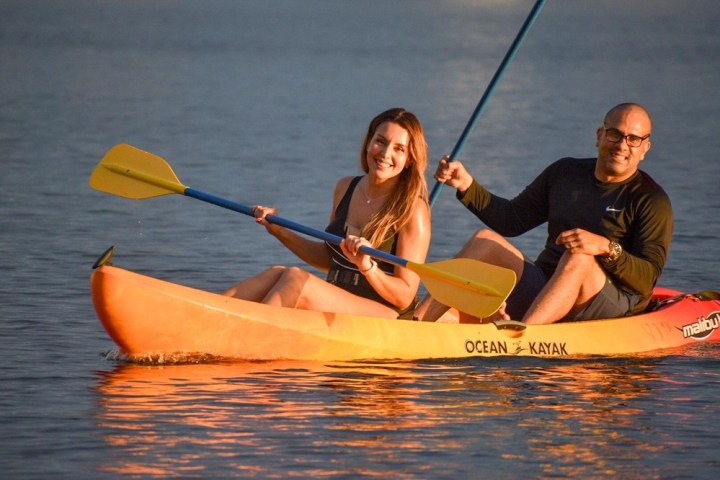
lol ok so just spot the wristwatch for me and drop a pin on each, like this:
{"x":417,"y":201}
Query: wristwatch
{"x":615,"y":252}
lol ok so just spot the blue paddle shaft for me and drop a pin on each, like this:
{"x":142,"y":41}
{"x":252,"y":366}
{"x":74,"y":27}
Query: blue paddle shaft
{"x":283,"y":222}
{"x":488,"y":91}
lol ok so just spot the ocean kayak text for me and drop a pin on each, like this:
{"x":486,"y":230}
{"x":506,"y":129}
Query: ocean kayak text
{"x":490,"y":347}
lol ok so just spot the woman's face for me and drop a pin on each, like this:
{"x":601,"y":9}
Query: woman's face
{"x":388,"y":150}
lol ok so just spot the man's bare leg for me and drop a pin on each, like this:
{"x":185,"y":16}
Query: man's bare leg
{"x":576,"y":281}
{"x":486,"y":246}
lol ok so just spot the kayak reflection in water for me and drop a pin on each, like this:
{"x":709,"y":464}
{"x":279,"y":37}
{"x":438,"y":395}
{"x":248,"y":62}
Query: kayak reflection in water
{"x":386,"y":209}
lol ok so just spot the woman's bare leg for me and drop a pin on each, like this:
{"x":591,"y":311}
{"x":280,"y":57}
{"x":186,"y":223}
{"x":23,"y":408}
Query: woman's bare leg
{"x":297,"y":288}
{"x":256,"y":288}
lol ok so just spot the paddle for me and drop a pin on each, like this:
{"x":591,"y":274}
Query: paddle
{"x":470,"y":286}
{"x":488,"y":91}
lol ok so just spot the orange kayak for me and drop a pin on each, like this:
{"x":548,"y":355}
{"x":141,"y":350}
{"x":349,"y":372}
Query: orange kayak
{"x":150,"y":318}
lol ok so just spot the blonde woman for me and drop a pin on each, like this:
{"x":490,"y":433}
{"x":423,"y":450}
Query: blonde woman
{"x":386,"y":209}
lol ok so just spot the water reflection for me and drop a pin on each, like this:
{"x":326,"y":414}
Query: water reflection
{"x":583,"y":418}
{"x":241,"y":414}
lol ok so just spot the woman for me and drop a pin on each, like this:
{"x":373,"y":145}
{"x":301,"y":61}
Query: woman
{"x":386,"y":209}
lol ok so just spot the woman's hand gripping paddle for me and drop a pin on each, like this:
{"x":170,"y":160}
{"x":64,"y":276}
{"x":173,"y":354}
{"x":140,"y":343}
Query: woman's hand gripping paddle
{"x":470,"y":286}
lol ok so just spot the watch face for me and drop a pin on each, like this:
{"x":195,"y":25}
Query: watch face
{"x":615,"y":251}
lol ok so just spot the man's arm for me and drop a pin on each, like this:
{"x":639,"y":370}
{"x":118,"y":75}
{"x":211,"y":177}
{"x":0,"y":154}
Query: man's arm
{"x":644,"y":254}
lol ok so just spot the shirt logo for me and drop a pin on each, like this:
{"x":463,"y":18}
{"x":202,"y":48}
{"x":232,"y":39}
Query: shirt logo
{"x":611,"y":209}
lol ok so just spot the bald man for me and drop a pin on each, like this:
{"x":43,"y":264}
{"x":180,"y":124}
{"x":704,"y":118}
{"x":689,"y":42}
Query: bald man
{"x":609,"y":230}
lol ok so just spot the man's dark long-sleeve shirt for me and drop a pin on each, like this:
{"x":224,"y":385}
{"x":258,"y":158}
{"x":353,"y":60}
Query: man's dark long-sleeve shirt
{"x":636,"y":213}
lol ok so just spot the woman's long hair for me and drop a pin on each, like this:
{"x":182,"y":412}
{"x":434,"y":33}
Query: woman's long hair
{"x":396,"y":212}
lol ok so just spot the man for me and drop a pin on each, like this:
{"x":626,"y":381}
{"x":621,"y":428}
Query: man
{"x":609,"y":229}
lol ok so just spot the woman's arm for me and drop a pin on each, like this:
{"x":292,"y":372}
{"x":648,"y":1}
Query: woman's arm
{"x":312,"y":252}
{"x":413,"y":244}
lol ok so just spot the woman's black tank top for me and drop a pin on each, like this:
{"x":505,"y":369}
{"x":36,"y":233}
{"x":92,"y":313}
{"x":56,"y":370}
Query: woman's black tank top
{"x":343,"y":272}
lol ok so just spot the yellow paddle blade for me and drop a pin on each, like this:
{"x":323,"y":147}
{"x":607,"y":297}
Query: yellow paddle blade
{"x":471,"y":286}
{"x":129,"y":172}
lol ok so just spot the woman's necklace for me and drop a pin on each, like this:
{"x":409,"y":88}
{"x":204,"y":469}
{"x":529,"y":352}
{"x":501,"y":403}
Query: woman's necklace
{"x":367,"y":197}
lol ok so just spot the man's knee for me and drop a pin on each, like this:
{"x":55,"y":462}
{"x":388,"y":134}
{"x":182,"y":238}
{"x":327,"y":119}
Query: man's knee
{"x":491,"y":247}
{"x":485,"y":234}
{"x":579,"y":261}
{"x":586,"y":268}
{"x":480,"y":242}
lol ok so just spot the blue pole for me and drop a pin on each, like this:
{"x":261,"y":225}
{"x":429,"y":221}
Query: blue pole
{"x":489,"y":90}
{"x":284,"y":222}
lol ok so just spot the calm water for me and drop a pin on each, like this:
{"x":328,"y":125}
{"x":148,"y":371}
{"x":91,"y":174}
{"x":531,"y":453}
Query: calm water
{"x":267,"y":102}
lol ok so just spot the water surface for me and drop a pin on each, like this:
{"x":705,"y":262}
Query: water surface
{"x":267,"y":102}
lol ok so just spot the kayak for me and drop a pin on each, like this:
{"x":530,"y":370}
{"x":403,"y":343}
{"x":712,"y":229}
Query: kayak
{"x":149,"y":318}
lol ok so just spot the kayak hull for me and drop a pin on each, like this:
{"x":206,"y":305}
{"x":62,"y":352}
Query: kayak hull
{"x":150,"y":318}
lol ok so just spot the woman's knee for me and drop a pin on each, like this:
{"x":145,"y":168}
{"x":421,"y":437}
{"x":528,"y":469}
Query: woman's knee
{"x":294,"y":282}
{"x":293,"y":279}
{"x":288,"y":288}
{"x":271,"y":276}
{"x":294,"y":273}
{"x":277,"y":269}
{"x":255,"y":288}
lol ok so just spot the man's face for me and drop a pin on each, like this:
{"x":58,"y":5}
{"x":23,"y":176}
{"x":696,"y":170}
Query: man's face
{"x":622,"y":143}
